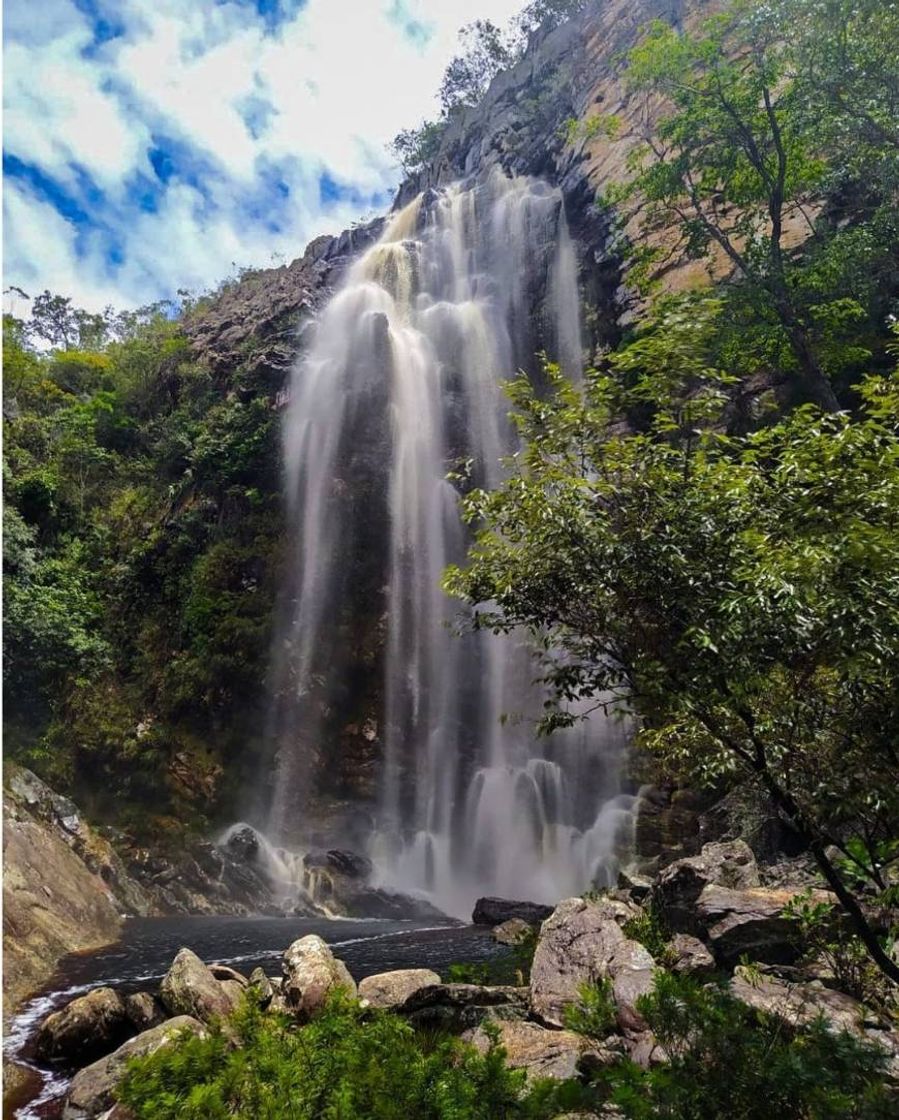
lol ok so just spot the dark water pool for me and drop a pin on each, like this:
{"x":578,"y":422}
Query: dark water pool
{"x":142,"y":956}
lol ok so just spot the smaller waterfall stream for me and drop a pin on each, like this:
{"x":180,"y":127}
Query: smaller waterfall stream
{"x":402,"y":381}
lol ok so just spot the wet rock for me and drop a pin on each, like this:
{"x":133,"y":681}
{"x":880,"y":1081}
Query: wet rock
{"x":749,"y":923}
{"x":243,"y":843}
{"x":337,"y":880}
{"x":560,"y":1055}
{"x":458,"y":1007}
{"x":86,"y":1028}
{"x":691,"y":957}
{"x":144,"y":1011}
{"x":393,"y":989}
{"x":575,"y":947}
{"x":189,"y":988}
{"x":92,"y":1090}
{"x":680,"y":884}
{"x":495,"y":911}
{"x":311,"y":973}
{"x":512,"y":931}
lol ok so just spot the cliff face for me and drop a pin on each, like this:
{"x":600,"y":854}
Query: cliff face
{"x":64,"y":888}
{"x":527,"y":124}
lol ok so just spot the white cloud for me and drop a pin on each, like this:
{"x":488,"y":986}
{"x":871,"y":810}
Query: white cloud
{"x":323,"y":94}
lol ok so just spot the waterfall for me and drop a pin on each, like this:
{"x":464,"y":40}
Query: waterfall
{"x":401,"y":382}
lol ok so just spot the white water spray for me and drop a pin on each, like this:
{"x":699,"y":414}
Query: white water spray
{"x":403,"y":380}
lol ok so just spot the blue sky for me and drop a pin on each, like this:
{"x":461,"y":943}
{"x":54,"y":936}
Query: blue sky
{"x":152,"y":145}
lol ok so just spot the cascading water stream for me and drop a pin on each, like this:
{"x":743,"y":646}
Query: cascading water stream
{"x":402,"y":381}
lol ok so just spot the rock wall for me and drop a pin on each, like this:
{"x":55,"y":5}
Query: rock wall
{"x":64,"y":888}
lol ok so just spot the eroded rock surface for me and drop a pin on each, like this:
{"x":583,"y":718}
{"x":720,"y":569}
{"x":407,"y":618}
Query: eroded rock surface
{"x":311,"y":974}
{"x":189,"y":988}
{"x":560,"y":1055}
{"x":86,"y":1028}
{"x":393,"y":989}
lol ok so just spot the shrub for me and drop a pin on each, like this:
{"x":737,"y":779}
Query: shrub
{"x":726,"y":1059}
{"x":347,"y":1064}
{"x":594,"y":1013}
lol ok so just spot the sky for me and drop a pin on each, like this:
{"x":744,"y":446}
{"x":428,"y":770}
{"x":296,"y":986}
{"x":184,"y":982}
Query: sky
{"x":157,"y":145}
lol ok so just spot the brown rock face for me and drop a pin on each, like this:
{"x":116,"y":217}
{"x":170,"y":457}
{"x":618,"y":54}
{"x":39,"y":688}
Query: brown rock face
{"x":53,"y":903}
{"x":750,"y":922}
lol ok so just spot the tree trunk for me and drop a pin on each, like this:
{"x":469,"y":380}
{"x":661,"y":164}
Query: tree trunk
{"x":814,"y":381}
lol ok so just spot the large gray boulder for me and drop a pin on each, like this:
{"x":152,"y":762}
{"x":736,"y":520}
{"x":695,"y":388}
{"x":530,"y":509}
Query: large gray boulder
{"x":679,"y":885}
{"x":575,"y":947}
{"x":392,"y":989}
{"x":189,"y":988}
{"x":86,"y":1028}
{"x":459,"y":1007}
{"x":690,"y":956}
{"x":751,"y":923}
{"x":631,"y":970}
{"x":92,"y":1091}
{"x":560,"y":1055}
{"x":494,"y":911}
{"x":311,"y":974}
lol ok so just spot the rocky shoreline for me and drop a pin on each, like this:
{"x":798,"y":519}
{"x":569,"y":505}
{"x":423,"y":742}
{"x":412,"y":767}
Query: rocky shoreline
{"x":722,"y":925}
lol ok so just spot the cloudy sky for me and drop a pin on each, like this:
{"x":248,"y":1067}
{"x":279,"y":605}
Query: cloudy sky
{"x":152,"y":145}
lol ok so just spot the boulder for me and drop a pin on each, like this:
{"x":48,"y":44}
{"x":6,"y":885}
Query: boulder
{"x":189,"y":988}
{"x":796,"y":1004}
{"x":560,"y":1055}
{"x":144,"y":1011}
{"x":459,"y":1007}
{"x":311,"y":973}
{"x":680,"y":884}
{"x":261,"y":986}
{"x":234,"y":990}
{"x":575,"y":947}
{"x":495,"y":911}
{"x":86,"y":1028}
{"x":225,"y":972}
{"x":690,"y":956}
{"x":392,"y":989}
{"x":645,"y":1051}
{"x":92,"y":1090}
{"x":512,"y":931}
{"x":749,"y":923}
{"x":630,"y":969}
{"x":636,"y":887}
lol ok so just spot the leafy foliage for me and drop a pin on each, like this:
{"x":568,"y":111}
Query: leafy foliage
{"x":142,"y":525}
{"x":740,"y":592}
{"x":345,"y":1063}
{"x":594,"y":1013}
{"x":726,"y":1060}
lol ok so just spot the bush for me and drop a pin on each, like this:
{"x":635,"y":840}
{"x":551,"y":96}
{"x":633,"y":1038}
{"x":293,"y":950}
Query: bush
{"x":594,"y":1014}
{"x":346,"y":1065}
{"x":726,"y":1060}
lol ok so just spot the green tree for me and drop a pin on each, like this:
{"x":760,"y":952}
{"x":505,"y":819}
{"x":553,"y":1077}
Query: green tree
{"x":487,"y":50}
{"x":741,"y":593}
{"x":733,"y":161}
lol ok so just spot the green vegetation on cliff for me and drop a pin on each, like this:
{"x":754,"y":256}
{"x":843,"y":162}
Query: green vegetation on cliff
{"x":142,"y":536}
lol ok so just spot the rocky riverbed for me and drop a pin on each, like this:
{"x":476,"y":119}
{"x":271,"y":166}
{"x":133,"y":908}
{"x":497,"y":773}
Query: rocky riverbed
{"x":720,"y":920}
